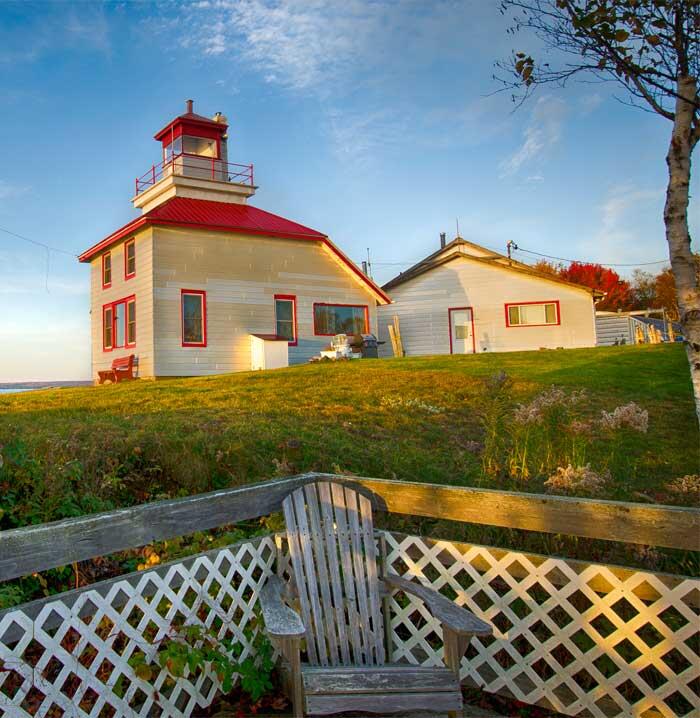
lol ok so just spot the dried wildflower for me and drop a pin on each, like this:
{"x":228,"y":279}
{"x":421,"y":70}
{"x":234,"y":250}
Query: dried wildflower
{"x":579,"y":481}
{"x":648,"y":556}
{"x":686,"y":487}
{"x":630,"y":415}
{"x":581,"y":427}
{"x":474,"y":447}
{"x":533,"y":413}
{"x":394,"y":402}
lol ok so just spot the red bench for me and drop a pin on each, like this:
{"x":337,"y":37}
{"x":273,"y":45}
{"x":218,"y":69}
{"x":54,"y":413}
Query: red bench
{"x":122,"y":370}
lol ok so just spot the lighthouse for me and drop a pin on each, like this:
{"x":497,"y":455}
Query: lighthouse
{"x":194,"y":163}
{"x":202,"y":282}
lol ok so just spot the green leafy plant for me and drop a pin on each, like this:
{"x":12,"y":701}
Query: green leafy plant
{"x":193,"y":648}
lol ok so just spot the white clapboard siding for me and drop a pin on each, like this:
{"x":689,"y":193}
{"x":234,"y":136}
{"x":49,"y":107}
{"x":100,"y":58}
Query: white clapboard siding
{"x":141,"y":286}
{"x":422,"y":305}
{"x":614,"y":329}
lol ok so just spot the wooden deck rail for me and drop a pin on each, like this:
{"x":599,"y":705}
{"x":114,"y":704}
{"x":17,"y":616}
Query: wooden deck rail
{"x":37,"y":548}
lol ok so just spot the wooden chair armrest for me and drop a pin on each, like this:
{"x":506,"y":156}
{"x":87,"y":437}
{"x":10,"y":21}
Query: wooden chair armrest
{"x":458,"y":619}
{"x":281,"y":621}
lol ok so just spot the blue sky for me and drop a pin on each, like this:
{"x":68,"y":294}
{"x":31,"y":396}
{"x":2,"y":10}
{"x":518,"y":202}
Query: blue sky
{"x":375,"y":122}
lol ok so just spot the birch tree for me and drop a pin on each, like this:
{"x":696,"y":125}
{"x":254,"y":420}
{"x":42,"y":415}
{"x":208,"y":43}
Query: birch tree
{"x":652,"y":49}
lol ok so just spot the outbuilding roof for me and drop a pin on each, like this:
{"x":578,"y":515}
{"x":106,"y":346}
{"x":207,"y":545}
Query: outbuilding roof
{"x":459,"y":248}
{"x":228,"y":217}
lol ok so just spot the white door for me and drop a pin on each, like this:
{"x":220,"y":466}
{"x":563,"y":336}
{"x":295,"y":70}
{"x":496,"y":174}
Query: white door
{"x":461,"y":331}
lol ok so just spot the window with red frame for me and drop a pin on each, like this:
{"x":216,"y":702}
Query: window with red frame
{"x":129,"y":258}
{"x":106,"y":270}
{"x":330,"y":319}
{"x":119,"y":324}
{"x":286,"y":317}
{"x":532,"y":314}
{"x":194,"y":318}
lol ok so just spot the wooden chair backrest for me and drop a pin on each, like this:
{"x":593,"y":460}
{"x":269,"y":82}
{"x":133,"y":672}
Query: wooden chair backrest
{"x":334,"y":562}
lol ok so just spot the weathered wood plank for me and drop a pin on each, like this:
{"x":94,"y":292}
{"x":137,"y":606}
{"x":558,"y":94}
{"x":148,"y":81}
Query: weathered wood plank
{"x":647,"y":524}
{"x":296,"y":556}
{"x":360,"y":575}
{"x":37,"y":548}
{"x":382,"y":679}
{"x":343,"y":539}
{"x":368,"y":541}
{"x":324,"y":494}
{"x":323,"y":581}
{"x":460,"y":620}
{"x":280,"y":620}
{"x":389,"y":702}
{"x":302,"y":531}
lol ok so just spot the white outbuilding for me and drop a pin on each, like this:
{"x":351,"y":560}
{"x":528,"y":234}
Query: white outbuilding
{"x":466,"y":299}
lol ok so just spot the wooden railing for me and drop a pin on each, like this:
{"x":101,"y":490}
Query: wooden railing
{"x":579,"y":637}
{"x":37,"y":548}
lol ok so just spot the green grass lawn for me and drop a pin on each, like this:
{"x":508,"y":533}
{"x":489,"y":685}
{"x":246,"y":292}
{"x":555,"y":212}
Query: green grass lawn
{"x":69,"y":451}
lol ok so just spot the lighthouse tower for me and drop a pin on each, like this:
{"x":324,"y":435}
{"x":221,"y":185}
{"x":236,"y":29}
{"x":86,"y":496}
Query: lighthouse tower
{"x":194,"y":164}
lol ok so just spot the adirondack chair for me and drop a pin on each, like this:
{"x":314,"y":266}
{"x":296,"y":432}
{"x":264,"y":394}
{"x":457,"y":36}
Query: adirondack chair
{"x":344,"y":622}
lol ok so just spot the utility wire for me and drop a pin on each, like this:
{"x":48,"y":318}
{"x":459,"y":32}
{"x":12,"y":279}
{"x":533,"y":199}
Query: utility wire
{"x":38,"y":244}
{"x":580,"y":261}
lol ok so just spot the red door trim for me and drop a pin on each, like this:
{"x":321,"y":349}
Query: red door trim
{"x":449,"y":322}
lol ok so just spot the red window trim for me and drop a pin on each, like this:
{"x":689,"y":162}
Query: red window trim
{"x":293,"y":299}
{"x":112,"y":305}
{"x":126,"y":258}
{"x":106,"y":348}
{"x":111,"y":269}
{"x":449,"y":324}
{"x":203,"y":295}
{"x":520,"y":304}
{"x":339,"y":304}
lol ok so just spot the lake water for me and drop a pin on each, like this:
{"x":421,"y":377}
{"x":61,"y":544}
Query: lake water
{"x":15,"y":390}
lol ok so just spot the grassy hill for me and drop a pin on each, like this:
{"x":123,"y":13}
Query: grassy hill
{"x":70,"y":451}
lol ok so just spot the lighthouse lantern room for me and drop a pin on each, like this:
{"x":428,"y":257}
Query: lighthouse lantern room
{"x":194,"y":164}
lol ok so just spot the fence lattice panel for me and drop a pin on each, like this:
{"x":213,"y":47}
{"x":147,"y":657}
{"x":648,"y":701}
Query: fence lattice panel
{"x":579,"y":638}
{"x":70,"y":655}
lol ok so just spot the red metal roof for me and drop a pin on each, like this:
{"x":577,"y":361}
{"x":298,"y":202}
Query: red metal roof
{"x":226,"y":217}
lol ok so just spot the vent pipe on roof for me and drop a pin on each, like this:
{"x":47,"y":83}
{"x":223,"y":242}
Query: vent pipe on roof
{"x":188,"y":106}
{"x":442,"y":240}
{"x":364,"y":267}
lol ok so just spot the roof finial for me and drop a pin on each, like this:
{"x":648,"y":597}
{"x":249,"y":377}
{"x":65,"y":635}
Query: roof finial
{"x":188,"y":106}
{"x":457,"y":221}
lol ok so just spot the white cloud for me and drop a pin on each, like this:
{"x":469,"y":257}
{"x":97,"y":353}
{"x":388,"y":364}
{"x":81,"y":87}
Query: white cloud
{"x":630,"y":226}
{"x":11,"y":191}
{"x":542,"y":132}
{"x":589,"y":103}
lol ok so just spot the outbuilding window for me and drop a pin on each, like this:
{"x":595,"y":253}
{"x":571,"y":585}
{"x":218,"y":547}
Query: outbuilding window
{"x":532,"y":314}
{"x":194,"y":318}
{"x":330,"y":319}
{"x":106,"y":270}
{"x":129,"y":258}
{"x":286,"y":317}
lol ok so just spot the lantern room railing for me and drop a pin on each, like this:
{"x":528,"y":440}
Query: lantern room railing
{"x":197,"y":166}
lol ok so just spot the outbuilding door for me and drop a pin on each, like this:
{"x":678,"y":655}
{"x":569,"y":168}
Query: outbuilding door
{"x":461,"y":330}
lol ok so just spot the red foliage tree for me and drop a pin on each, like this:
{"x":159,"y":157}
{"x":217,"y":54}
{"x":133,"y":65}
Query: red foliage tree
{"x":618,"y":292}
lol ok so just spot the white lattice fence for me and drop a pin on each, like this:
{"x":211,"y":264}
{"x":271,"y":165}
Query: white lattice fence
{"x":69,"y":656}
{"x":579,"y":638}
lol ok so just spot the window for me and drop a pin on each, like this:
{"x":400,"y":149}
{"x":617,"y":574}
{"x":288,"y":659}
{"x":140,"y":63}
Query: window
{"x":330,"y":319}
{"x":131,"y":322}
{"x":173,"y":148}
{"x":129,"y":258}
{"x":286,"y":317}
{"x":107,"y":323}
{"x":194,"y":318}
{"x":106,"y":270}
{"x":119,"y":324}
{"x":199,"y":146}
{"x":532,"y":314}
